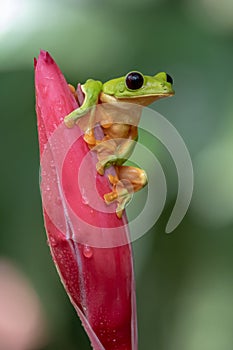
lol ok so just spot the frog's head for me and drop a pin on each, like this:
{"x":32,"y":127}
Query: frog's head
{"x":138,"y":88}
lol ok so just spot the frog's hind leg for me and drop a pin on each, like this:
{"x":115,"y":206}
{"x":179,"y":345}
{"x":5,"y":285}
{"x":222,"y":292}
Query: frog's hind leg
{"x":128,"y":180}
{"x":113,"y":152}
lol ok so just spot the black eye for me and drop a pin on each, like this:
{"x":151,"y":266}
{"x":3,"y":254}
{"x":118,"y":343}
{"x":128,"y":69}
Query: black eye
{"x":134,"y":80}
{"x":169,"y":79}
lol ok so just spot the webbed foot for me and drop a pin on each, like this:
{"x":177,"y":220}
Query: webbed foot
{"x":122,"y":193}
{"x":127,"y":180}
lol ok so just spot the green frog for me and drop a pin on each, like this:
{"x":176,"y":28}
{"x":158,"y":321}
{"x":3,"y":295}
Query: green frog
{"x":119,"y":137}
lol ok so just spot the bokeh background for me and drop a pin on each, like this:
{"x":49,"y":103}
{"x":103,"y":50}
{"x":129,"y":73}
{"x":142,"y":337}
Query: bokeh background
{"x":185,"y":279}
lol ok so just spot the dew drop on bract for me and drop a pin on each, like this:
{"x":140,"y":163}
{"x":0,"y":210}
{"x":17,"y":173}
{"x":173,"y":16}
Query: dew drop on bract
{"x":53,"y":242}
{"x":87,"y":251}
{"x":85,"y":199}
{"x":52,"y":164}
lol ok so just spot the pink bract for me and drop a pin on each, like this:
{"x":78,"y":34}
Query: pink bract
{"x":98,"y":278}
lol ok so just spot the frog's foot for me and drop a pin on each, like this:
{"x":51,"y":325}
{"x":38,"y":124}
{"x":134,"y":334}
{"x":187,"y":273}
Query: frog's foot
{"x":89,"y":138}
{"x":113,"y":179}
{"x":127,"y":180}
{"x":122,"y":193}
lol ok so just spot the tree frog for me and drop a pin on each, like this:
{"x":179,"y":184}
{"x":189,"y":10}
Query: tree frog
{"x":119,"y":138}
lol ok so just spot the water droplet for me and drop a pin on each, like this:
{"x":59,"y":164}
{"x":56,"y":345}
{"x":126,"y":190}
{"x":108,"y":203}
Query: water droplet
{"x":53,"y":242}
{"x":87,"y":251}
{"x":85,"y":199}
{"x":52,"y":164}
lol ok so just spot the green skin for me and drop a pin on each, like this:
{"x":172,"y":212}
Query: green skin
{"x":112,"y":91}
{"x":154,"y":87}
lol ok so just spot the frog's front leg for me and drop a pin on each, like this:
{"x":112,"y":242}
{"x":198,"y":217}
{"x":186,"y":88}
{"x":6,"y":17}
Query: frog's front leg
{"x":91,"y":90}
{"x":128,"y":180}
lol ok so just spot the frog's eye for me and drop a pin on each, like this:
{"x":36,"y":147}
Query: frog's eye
{"x":169,"y":79}
{"x":134,"y":80}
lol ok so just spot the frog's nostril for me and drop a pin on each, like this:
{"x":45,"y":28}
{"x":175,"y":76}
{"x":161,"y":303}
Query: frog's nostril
{"x":169,"y":79}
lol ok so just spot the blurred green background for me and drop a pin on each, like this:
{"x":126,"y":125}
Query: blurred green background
{"x":185,"y":279}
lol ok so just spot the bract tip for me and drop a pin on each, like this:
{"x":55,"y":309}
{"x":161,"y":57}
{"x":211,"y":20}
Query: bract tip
{"x":46,"y":56}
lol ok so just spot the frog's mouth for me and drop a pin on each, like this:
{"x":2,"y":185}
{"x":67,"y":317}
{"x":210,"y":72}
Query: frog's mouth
{"x":145,"y":100}
{"x":140,"y":100}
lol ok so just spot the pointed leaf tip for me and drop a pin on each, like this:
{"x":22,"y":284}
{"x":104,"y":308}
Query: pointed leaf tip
{"x":45,"y":56}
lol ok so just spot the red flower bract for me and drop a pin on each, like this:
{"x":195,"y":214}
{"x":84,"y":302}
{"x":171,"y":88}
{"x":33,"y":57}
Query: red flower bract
{"x":97,"y":277}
